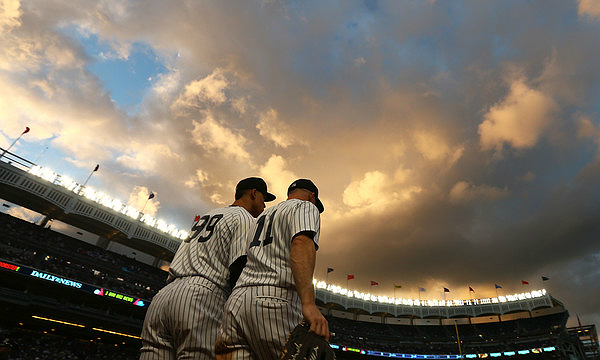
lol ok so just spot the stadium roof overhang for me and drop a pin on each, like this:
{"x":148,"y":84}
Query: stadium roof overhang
{"x":356,"y":302}
{"x":23,"y":189}
{"x":94,"y":226}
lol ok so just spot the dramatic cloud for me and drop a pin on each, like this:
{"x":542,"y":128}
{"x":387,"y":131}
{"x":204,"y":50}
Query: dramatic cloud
{"x":589,"y":8}
{"x":9,"y":14}
{"x":210,"y":89}
{"x":376,"y":191}
{"x":213,"y":136}
{"x":140,"y":199}
{"x":275,"y":130}
{"x":519,"y":120}
{"x":463,"y":191}
{"x":278,"y":176}
{"x":454,"y":144}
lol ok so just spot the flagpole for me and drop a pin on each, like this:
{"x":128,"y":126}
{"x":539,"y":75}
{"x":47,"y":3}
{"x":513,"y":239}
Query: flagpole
{"x":326,"y":275}
{"x":88,"y":178}
{"x":151,"y":196}
{"x":14,"y":142}
{"x":146,"y":203}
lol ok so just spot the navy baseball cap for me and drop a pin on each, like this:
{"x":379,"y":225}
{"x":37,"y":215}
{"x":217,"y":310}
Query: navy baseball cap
{"x":310,"y":186}
{"x":255,"y":183}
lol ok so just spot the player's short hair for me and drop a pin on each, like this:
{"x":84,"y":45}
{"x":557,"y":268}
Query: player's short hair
{"x":239,"y":193}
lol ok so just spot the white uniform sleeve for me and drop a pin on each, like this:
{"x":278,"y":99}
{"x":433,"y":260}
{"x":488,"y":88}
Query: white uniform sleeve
{"x":239,"y":235}
{"x":306,"y":217}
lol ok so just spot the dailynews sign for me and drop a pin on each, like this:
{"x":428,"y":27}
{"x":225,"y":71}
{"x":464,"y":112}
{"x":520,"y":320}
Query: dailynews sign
{"x":57,"y":279}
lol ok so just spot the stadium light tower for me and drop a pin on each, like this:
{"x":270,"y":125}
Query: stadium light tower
{"x":14,"y":142}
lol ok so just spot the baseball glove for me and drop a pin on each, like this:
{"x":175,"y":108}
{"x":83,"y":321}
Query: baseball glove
{"x":306,"y":345}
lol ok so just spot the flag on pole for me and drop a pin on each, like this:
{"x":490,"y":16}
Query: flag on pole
{"x":446,"y":290}
{"x":422,"y":289}
{"x":350,"y":277}
{"x":329,"y":270}
{"x":151,"y":196}
{"x":373,"y":283}
{"x":97,"y":167}
{"x":545,"y":278}
{"x":26,"y":130}
{"x":471,"y":289}
{"x":397,"y":286}
{"x":523,"y":282}
{"x":498,"y":286}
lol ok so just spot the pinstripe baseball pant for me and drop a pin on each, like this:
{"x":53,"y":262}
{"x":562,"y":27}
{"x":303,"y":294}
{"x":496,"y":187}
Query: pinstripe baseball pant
{"x":182,"y":320}
{"x":257,"y":322}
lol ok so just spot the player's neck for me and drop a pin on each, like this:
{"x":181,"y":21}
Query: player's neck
{"x":241,"y":203}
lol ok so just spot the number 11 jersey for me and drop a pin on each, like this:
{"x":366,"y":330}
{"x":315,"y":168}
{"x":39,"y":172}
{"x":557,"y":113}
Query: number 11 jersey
{"x":270,"y":242}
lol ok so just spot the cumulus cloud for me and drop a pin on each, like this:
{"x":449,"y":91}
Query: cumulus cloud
{"x":377,"y":190}
{"x":146,"y":156}
{"x":10,"y":14}
{"x":198,"y":178}
{"x":275,"y":130}
{"x":278,"y":176}
{"x":519,"y":120}
{"x":138,"y":199}
{"x":214,"y":137}
{"x":463,"y":191}
{"x":209,"y":89}
{"x":434,"y":147}
{"x":589,"y":8}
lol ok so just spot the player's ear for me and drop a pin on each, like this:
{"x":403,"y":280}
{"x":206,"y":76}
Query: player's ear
{"x":253,"y":194}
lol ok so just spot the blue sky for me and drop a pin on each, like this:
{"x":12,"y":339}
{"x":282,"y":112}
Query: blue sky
{"x":126,"y":79}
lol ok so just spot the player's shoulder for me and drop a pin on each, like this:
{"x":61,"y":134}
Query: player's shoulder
{"x":230,"y":214}
{"x":230,"y":210}
{"x":296,"y":206}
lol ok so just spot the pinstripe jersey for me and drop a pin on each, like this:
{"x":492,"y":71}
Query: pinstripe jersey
{"x":216,"y":240}
{"x":270,"y":242}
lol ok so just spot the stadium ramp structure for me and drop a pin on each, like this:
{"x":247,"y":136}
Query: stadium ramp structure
{"x":58,"y":197}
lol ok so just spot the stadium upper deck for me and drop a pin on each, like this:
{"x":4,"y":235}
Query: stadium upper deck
{"x":367,"y":307}
{"x":59,"y":197}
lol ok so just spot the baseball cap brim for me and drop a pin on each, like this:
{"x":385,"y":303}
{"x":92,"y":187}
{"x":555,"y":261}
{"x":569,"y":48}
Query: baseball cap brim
{"x":319,"y":205}
{"x":269,"y":197}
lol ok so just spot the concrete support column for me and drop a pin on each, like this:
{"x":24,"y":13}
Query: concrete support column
{"x":44,"y":221}
{"x":103,"y":242}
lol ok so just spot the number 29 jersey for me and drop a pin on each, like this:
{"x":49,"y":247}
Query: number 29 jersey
{"x":270,"y":242}
{"x":216,"y":240}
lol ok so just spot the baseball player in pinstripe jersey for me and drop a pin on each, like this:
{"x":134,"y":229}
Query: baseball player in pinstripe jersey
{"x":275,"y":290}
{"x":183,"y":318}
